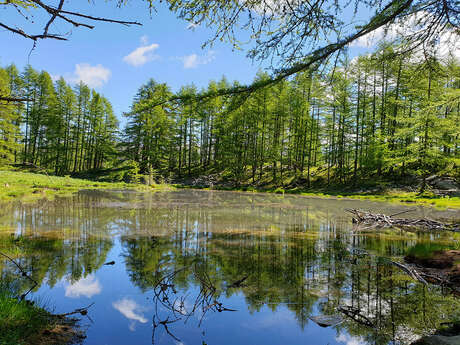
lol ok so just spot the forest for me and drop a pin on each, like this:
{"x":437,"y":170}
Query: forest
{"x":384,"y":116}
{"x":58,"y":128}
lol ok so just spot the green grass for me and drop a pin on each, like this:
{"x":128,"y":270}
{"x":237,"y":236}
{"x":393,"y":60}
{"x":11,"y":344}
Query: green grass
{"x":30,"y":186}
{"x":20,"y":320}
{"x":425,"y":250}
{"x":393,"y":196}
{"x":25,"y":186}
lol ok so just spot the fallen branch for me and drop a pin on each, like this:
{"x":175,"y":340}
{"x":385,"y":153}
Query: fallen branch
{"x":376,"y":220}
{"x":169,"y":300}
{"x":410,"y":271}
{"x":81,"y":311}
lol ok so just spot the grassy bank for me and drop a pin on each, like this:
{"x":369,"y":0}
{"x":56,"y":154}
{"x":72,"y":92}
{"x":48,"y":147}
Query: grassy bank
{"x":26,"y":186}
{"x":390,"y":195}
{"x":24,"y":323}
{"x":30,"y":186}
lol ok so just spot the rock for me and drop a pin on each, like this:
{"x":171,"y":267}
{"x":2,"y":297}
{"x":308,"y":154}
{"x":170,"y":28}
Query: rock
{"x":444,"y":185}
{"x":438,"y":340}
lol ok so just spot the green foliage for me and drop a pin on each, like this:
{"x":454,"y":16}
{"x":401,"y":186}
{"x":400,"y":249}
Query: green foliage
{"x":131,"y":172}
{"x":58,"y":129}
{"x":377,"y":118}
{"x":9,"y":122}
{"x":425,"y":250}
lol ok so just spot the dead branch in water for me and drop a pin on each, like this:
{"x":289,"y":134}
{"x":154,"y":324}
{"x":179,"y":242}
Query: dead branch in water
{"x":168,"y":299}
{"x":24,"y":274}
{"x":377,"y":220}
{"x":81,"y":311}
{"x":410,"y":271}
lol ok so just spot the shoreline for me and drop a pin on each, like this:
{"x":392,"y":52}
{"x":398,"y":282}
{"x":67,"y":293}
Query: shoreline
{"x":390,"y":196}
{"x":29,"y":187}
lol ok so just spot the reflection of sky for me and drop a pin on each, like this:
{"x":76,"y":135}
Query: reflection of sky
{"x":271,"y":320}
{"x":349,"y":340}
{"x":131,"y":310}
{"x":87,"y":287}
{"x":125,"y":307}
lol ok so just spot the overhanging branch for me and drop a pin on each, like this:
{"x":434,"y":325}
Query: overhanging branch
{"x":315,"y":57}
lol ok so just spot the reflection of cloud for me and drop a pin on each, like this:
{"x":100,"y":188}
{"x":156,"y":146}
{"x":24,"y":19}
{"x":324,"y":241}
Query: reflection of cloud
{"x":182,"y":308}
{"x":87,"y":287}
{"x":349,"y":340}
{"x":131,"y":310}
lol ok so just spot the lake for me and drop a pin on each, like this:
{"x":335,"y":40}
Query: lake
{"x":209,"y":267}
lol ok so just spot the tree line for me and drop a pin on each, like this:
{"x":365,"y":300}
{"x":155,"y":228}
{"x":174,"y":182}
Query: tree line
{"x":59,"y":128}
{"x":384,"y":114}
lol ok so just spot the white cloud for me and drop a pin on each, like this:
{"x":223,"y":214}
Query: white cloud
{"x":143,"y":54}
{"x":194,"y":60}
{"x":131,"y":310}
{"x":448,"y":41}
{"x":87,"y":287}
{"x":93,"y":76}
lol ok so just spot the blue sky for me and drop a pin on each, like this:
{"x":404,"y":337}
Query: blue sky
{"x":116,"y":60}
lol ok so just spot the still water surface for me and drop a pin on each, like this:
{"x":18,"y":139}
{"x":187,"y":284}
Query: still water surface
{"x":223,"y":268}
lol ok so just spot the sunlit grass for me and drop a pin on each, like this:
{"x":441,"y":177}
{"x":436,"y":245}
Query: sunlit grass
{"x":31,"y":187}
{"x":425,"y":250}
{"x":20,"y":320}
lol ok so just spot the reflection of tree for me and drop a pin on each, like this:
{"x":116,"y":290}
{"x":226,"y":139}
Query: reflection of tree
{"x":73,"y":245}
{"x":299,"y":272}
{"x":298,"y":254}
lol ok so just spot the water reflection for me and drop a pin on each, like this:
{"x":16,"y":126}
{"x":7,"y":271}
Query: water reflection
{"x":88,"y":287}
{"x":276,"y":260}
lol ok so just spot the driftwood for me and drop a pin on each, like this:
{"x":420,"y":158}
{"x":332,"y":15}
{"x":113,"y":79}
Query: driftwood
{"x":366,"y":220}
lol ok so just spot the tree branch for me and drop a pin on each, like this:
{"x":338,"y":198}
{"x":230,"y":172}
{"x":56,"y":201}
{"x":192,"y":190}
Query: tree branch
{"x":315,"y":57}
{"x":13,"y":99}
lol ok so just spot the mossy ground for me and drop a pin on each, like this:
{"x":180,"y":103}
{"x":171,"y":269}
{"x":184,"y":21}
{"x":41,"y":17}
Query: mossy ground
{"x":24,"y":186}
